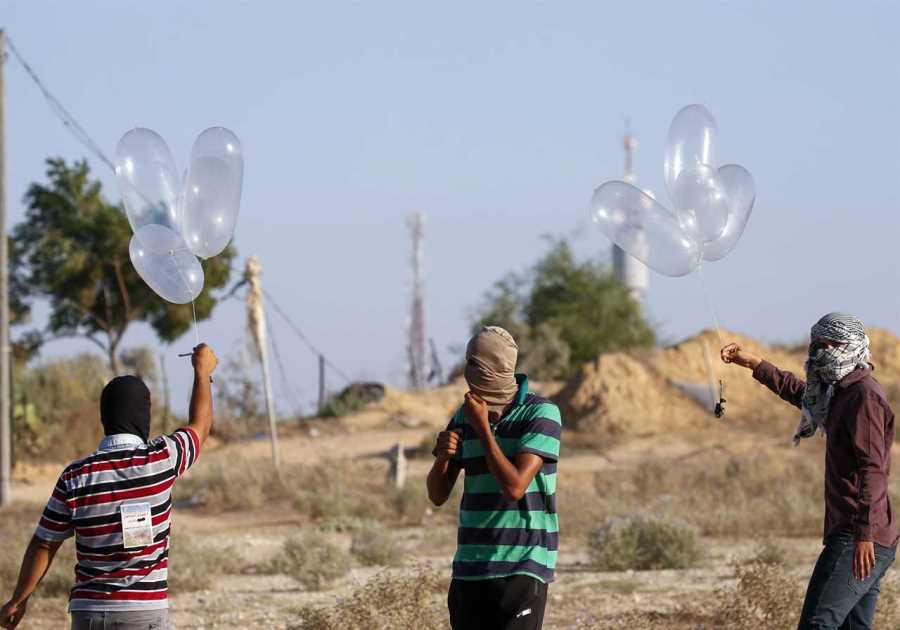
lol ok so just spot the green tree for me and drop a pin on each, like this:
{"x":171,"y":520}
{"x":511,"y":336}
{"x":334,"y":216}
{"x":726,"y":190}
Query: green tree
{"x":72,"y":250}
{"x":563,"y":313}
{"x":583,"y":301}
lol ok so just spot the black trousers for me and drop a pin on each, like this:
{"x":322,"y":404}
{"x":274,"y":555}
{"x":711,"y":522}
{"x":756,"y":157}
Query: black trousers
{"x":511,"y":603}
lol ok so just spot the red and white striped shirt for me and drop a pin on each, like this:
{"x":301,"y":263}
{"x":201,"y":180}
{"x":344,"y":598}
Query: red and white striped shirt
{"x":86,"y":503}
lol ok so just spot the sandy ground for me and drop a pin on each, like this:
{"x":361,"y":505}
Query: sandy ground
{"x":265,"y":601}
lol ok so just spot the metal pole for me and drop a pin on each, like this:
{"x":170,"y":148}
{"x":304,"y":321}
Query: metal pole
{"x":5,"y":433}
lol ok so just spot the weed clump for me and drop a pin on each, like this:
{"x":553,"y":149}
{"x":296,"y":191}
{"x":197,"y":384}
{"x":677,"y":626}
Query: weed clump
{"x":374,"y":546}
{"x":312,"y":560}
{"x":765,"y":597}
{"x":385,"y":602}
{"x":643,"y":543}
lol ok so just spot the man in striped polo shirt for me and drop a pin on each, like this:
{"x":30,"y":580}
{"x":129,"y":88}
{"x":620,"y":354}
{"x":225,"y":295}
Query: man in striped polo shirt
{"x":117,"y":503}
{"x":507,"y":442}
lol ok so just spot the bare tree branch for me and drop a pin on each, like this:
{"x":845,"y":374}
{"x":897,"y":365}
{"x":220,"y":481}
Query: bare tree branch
{"x":123,"y":290}
{"x":59,"y":337}
{"x":102,"y":323}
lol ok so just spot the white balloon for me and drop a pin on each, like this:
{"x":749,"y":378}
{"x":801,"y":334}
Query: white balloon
{"x":701,"y":203}
{"x":691,"y":142}
{"x":642,"y":227}
{"x":740,"y":193}
{"x":212,"y":191}
{"x":149,"y":183}
{"x":163,"y":260}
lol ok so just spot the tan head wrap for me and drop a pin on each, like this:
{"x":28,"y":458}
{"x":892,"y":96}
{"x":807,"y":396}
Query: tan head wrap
{"x":490,"y":366}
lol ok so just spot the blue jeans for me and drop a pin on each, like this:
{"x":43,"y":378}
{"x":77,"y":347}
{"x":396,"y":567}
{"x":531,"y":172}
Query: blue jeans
{"x":837,"y":600}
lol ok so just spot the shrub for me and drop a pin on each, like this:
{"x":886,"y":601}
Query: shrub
{"x":385,"y":602}
{"x":373,"y":546}
{"x":411,"y":504}
{"x":338,"y":489}
{"x":765,"y":597}
{"x":734,"y":496}
{"x":770,"y":553}
{"x":644,"y":543}
{"x":232,"y":484}
{"x":313,"y":560}
{"x":55,"y":412}
{"x":194,"y":566}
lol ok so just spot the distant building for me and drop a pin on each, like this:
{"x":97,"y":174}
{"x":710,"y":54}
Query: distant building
{"x":628,"y":270}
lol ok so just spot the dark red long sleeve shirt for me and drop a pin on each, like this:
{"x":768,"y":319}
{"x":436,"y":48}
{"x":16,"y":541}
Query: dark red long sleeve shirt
{"x":859,"y":432}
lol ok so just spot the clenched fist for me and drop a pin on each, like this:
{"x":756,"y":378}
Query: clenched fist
{"x":204,"y":360}
{"x":734,"y":353}
{"x":447,"y":445}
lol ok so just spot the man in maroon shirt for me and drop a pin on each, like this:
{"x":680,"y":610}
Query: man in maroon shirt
{"x":842,"y":399}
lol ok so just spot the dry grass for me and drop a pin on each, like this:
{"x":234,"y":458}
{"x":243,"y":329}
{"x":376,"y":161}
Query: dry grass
{"x":195,"y":565}
{"x":335,"y":495}
{"x":765,"y":597}
{"x":385,"y":602}
{"x":685,"y":618}
{"x":887,"y":613}
{"x":721,"y":496}
{"x":17,"y":524}
{"x":374,"y":546}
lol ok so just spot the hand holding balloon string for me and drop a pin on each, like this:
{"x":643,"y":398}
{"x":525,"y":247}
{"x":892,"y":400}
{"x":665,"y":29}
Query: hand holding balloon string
{"x":710,"y":208}
{"x":177,"y":221}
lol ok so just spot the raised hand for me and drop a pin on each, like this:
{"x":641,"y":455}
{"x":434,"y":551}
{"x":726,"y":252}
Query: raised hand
{"x":734,"y":353}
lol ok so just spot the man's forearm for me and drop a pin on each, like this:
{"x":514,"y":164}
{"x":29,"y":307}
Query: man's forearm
{"x":37,"y":559}
{"x":438,"y":482}
{"x":201,"y":409}
{"x":504,"y":471}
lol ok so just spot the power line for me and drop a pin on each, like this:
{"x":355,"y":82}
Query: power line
{"x":67,"y":119}
{"x":292,"y":393}
{"x":304,"y":338}
{"x":82,"y":136}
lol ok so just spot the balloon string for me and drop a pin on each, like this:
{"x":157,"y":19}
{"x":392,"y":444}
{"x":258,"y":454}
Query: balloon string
{"x":716,"y":376}
{"x":712,"y":308}
{"x":196,"y":325}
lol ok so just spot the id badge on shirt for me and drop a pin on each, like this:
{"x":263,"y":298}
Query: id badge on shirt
{"x":137,"y":525}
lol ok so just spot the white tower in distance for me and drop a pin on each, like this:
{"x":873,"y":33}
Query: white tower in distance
{"x":632,"y":273}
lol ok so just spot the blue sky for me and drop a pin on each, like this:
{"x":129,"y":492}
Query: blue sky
{"x":496,"y":120}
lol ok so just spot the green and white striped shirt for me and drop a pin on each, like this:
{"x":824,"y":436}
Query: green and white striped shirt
{"x":499,"y":537}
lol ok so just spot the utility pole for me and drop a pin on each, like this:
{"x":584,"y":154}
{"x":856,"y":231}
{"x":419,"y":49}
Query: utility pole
{"x":256,"y":319}
{"x":5,"y":433}
{"x":418,"y":370}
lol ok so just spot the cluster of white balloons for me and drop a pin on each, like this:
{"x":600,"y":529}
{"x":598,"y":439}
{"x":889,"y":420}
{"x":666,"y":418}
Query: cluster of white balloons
{"x":712,"y":204}
{"x":177,"y":219}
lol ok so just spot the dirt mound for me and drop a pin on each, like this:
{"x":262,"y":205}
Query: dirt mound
{"x":620,"y":394}
{"x":647,"y":393}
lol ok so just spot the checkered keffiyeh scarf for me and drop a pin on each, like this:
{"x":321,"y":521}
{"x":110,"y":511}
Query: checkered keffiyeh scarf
{"x":826,"y":366}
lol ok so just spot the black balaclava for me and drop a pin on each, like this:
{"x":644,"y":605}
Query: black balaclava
{"x":125,"y":407}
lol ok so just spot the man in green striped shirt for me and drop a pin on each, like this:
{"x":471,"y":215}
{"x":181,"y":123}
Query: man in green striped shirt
{"x":507,"y":442}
